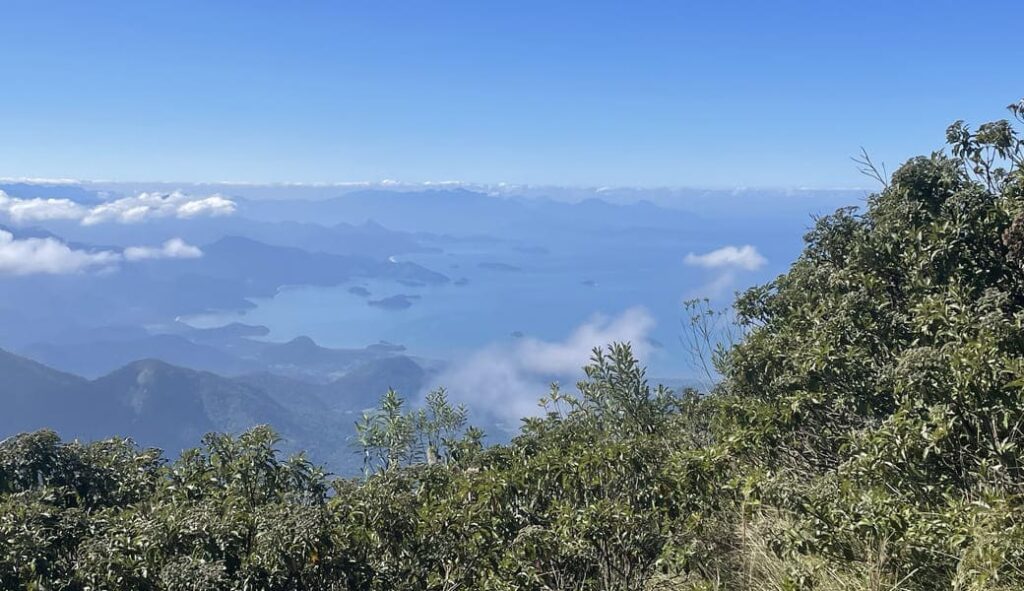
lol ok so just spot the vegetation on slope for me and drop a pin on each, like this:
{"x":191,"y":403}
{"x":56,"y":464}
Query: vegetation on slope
{"x":866,"y":434}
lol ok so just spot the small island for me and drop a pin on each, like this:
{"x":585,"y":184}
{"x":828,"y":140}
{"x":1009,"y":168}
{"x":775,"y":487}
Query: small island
{"x":395,"y":302}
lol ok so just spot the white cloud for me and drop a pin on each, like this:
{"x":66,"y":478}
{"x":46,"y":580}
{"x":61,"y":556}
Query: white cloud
{"x":50,"y":256}
{"x":31,"y":210}
{"x":127,"y":210}
{"x":213,"y":205}
{"x":175,"y":248}
{"x":737,"y":257}
{"x":30,"y":256}
{"x":506,"y":381}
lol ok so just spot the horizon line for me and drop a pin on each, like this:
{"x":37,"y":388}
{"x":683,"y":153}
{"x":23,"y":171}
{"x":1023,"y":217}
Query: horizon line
{"x":501,"y":186}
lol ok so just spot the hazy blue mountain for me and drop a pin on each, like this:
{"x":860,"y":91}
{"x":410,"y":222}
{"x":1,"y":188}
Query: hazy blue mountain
{"x":405,"y":211}
{"x":73,"y":192}
{"x":96,"y":358}
{"x":35,"y":396}
{"x":303,"y":351}
{"x":728,"y":215}
{"x":301,"y":357}
{"x":465,"y":212}
{"x":367,"y":239}
{"x":171,"y":407}
{"x":262,"y":268}
{"x":363,"y":386}
{"x":232,"y":350}
{"x":297,"y":395}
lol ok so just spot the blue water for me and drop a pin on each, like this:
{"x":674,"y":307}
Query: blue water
{"x":552,"y":294}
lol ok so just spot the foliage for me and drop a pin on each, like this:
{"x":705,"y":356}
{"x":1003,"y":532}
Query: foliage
{"x":865,"y":433}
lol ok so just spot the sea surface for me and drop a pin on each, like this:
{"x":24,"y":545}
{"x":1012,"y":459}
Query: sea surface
{"x":501,"y":292}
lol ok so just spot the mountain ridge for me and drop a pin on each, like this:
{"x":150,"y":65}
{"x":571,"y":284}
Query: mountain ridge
{"x":163,"y":405}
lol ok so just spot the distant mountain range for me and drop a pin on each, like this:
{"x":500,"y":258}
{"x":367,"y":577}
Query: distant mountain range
{"x":171,"y":407}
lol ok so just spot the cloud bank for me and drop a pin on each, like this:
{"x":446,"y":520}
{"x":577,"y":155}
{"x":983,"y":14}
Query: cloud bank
{"x":127,"y":210}
{"x":50,"y":256}
{"x":504,"y":382}
{"x":144,"y":206}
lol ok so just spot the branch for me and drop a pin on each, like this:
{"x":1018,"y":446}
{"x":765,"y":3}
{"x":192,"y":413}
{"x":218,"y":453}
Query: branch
{"x":867,"y":168}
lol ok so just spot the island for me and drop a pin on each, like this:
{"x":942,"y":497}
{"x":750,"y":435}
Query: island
{"x":395,"y":302}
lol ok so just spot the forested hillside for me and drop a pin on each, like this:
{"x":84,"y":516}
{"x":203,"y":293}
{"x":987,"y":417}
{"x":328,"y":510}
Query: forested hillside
{"x":865,"y":434}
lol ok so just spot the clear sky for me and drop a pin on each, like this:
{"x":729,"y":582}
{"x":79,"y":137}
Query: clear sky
{"x":753,"y":93}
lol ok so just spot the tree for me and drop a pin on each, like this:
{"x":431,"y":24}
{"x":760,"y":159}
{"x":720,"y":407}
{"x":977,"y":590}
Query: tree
{"x":885,"y":368}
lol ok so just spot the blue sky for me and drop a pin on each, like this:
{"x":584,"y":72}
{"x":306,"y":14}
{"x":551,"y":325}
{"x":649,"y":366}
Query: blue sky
{"x":571,"y":93}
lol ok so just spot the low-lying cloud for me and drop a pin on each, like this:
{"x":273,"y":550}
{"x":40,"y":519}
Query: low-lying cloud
{"x":50,"y":256}
{"x":505,"y":381}
{"x":175,"y":248}
{"x":738,"y":257}
{"x":29,"y":256}
{"x":127,"y":210}
{"x":726,"y":263}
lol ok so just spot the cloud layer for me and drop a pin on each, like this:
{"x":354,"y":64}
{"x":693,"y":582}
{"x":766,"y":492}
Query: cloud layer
{"x":50,"y":256}
{"x":127,"y":210}
{"x":505,"y":381}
